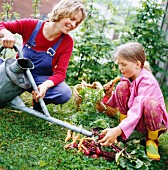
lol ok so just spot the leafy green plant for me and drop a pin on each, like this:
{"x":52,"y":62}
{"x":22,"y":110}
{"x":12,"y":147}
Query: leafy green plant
{"x":92,"y":48}
{"x":146,"y":30}
{"x":36,"y":4}
{"x":6,"y":14}
{"x":87,"y":115}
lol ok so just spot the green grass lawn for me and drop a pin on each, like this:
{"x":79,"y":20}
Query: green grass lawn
{"x":30,"y":143}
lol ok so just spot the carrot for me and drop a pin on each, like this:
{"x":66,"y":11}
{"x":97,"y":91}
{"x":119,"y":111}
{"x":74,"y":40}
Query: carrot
{"x":73,"y":135}
{"x":75,"y":138}
{"x":115,"y":80}
{"x":80,"y":143}
{"x":68,"y":137}
{"x":83,"y":147}
{"x":67,"y":146}
{"x":73,"y":142}
{"x":80,"y":150}
{"x":92,"y":138}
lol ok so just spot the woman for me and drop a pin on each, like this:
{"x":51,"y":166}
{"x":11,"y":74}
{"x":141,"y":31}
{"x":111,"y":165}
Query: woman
{"x":138,"y":98}
{"x":49,"y":46}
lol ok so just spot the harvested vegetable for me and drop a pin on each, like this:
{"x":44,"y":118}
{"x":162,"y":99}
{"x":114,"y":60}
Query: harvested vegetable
{"x":91,"y":148}
{"x":76,"y":138}
{"x":73,"y":143}
{"x":68,"y":137}
{"x":80,"y":143}
{"x":115,"y":80}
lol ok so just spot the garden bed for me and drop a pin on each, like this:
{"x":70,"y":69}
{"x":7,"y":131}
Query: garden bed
{"x":27,"y":142}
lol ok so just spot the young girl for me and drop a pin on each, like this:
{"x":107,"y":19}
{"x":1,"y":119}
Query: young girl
{"x":138,"y":98}
{"x":49,"y":46}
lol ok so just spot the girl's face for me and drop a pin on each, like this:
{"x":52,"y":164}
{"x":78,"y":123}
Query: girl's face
{"x":129,"y":69}
{"x":68,"y":24}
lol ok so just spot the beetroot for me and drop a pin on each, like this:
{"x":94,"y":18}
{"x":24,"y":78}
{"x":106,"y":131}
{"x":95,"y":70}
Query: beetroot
{"x":86,"y":152}
{"x":101,"y":136}
{"x":92,"y":144}
{"x":98,"y":151}
{"x":94,"y":156}
{"x":75,"y":145}
{"x":108,"y":154}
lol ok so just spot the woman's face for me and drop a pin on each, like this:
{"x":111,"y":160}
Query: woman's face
{"x":129,"y":69}
{"x":68,"y":24}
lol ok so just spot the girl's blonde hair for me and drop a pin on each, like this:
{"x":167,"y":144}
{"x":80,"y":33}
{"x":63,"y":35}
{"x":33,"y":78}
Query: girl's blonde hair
{"x":65,"y":9}
{"x":131,"y":51}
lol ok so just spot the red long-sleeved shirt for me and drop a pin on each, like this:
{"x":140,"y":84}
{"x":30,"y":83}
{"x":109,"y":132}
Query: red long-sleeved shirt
{"x":25,"y":27}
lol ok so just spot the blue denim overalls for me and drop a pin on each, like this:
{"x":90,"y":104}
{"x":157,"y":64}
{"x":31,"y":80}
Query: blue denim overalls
{"x":43,"y":69}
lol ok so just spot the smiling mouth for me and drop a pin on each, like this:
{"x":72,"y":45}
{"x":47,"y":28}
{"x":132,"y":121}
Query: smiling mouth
{"x":68,"y":27}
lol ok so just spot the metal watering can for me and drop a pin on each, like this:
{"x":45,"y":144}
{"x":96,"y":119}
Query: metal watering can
{"x":15,"y":79}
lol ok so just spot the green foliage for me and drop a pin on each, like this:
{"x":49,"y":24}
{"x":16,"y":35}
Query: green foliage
{"x":36,"y":4}
{"x":7,"y":14}
{"x":146,"y":30}
{"x":87,"y":115}
{"x":135,"y":157}
{"x":92,"y":48}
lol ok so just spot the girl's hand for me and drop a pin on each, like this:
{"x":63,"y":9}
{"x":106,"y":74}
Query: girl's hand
{"x":111,"y":135}
{"x":108,"y":87}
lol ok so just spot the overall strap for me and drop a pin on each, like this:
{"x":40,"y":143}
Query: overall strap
{"x":52,"y":50}
{"x":31,"y":41}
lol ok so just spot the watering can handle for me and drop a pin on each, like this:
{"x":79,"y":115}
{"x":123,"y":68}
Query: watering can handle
{"x":16,"y":48}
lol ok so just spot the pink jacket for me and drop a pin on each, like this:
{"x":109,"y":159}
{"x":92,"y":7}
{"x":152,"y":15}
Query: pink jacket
{"x":144,"y":86}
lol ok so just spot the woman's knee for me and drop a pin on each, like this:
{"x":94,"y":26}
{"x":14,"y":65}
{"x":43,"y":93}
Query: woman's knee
{"x":58,"y":95}
{"x":65,"y":95}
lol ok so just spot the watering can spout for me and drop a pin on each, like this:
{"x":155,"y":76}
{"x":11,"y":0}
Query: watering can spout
{"x":17,"y":103}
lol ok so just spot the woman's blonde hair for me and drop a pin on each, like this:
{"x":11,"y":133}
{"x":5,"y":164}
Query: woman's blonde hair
{"x":131,"y":51}
{"x":66,"y":8}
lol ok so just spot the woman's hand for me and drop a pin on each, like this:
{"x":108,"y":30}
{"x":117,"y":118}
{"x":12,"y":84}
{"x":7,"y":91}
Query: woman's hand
{"x":8,"y":39}
{"x":111,"y":135}
{"x":42,"y":88}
